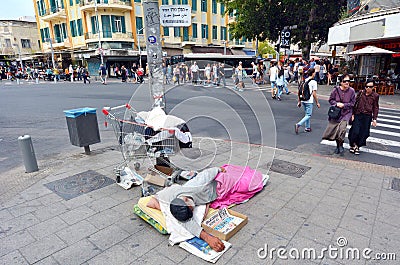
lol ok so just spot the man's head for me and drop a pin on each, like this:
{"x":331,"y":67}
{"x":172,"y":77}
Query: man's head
{"x":182,"y":208}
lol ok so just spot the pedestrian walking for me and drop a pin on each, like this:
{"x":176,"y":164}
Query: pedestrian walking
{"x":280,"y":83}
{"x":308,"y":104}
{"x":194,"y":69}
{"x":85,"y":75}
{"x":71,"y":72}
{"x":273,"y":74}
{"x":343,"y":98}
{"x":103,"y":74}
{"x":365,"y":111}
{"x":222,"y":74}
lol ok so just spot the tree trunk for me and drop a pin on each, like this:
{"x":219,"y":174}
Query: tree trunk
{"x":307,"y":40}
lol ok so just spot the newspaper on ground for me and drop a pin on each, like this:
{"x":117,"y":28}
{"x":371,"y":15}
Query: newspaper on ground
{"x":201,"y":249}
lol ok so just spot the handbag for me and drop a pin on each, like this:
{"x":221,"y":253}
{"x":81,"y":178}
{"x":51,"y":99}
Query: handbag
{"x":334,"y":112}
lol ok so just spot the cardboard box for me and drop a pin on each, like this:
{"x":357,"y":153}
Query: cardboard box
{"x":166,"y":170}
{"x":227,"y":236}
{"x":155,"y":179}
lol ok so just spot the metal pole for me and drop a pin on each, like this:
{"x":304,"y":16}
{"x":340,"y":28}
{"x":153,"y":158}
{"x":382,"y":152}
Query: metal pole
{"x":20,"y":59}
{"x":256,"y":47}
{"x":52,"y":57}
{"x":224,"y":47}
{"x":28,"y":153}
{"x":154,"y":51}
{"x":98,"y":31}
{"x":140,"y":51}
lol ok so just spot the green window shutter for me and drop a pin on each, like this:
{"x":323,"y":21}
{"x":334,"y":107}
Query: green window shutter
{"x":185,"y":33}
{"x":164,"y":2}
{"x":214,"y":6}
{"x":93,"y":22}
{"x":72,"y":26}
{"x":123,"y":24}
{"x":42,"y":35}
{"x":194,"y":5}
{"x":71,"y":2}
{"x":139,"y":25}
{"x":114,"y":28}
{"x":80,"y":29}
{"x":77,"y":2}
{"x":47,"y":33}
{"x":57,"y":34}
{"x":222,"y":9}
{"x":64,"y":29}
{"x":185,"y":2}
{"x":106,"y":27}
{"x":194,"y":30}
{"x":166,"y":31}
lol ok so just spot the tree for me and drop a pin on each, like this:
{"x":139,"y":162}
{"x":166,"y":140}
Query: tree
{"x":265,"y":48}
{"x":265,"y":19}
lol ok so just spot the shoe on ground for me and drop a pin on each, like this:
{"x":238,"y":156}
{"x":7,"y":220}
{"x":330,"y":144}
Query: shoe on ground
{"x":357,"y":151}
{"x":341,"y":150}
{"x":241,"y":90}
{"x":279,"y":98}
{"x":337,"y":150}
{"x":273,"y":97}
{"x":352,"y":149}
{"x":307,"y":130}
{"x":296,"y":128}
{"x":288,"y":93}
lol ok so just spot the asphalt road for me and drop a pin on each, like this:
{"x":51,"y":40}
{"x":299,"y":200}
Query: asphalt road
{"x":216,"y":112}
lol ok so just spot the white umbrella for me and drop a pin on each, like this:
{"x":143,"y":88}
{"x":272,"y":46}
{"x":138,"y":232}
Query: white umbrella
{"x":370,"y":50}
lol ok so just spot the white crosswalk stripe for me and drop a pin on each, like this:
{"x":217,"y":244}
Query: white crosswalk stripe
{"x":387,"y":134}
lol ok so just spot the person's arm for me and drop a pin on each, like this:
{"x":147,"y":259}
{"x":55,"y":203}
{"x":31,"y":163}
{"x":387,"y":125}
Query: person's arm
{"x":375,"y":111}
{"x":332,"y":98}
{"x":350,"y":104}
{"x":316,"y":98}
{"x":214,"y":242}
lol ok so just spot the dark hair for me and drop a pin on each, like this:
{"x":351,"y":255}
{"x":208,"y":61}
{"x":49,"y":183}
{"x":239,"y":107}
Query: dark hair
{"x":180,"y":210}
{"x":370,"y":80}
{"x":310,"y":71}
{"x":342,"y":77}
{"x":281,"y":72}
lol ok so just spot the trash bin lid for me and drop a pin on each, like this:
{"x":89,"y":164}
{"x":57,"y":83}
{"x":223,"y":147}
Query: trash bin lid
{"x":73,"y":113}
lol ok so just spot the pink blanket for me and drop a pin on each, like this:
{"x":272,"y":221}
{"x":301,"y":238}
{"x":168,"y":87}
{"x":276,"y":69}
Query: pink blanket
{"x":236,"y":185}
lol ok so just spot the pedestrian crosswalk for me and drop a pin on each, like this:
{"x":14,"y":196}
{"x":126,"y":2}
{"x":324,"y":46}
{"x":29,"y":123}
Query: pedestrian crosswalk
{"x":384,"y":139}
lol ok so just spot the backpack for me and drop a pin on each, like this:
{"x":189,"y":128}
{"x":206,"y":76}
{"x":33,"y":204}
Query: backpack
{"x":304,"y":90}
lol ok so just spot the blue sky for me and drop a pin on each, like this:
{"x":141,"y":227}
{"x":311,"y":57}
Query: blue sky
{"x":13,"y":9}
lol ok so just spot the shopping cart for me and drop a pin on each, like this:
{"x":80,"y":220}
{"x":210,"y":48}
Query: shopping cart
{"x":138,"y":143}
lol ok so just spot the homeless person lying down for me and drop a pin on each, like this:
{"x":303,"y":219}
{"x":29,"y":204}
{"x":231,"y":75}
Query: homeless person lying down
{"x":214,"y":187}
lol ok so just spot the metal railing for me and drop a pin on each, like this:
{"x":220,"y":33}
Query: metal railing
{"x":109,"y":34}
{"x":188,"y":39}
{"x":105,"y":2}
{"x":51,"y":10}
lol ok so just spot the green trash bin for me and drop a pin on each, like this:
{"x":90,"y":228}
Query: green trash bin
{"x":83,"y":127}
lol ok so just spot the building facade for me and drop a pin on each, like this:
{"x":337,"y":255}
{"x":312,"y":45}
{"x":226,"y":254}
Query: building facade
{"x":78,"y":30}
{"x":18,"y":39}
{"x":373,"y":23}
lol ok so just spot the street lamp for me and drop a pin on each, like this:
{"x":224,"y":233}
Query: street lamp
{"x":98,"y":31}
{"x":52,"y":55}
{"x":19,"y":54}
{"x":140,"y":52}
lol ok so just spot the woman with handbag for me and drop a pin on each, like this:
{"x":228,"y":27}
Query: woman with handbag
{"x":365,"y":111}
{"x":342,"y":100}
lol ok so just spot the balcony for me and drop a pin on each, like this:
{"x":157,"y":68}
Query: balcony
{"x":117,"y":5}
{"x":54,"y":13}
{"x":108,"y":35}
{"x":236,"y":44}
{"x":187,"y":41}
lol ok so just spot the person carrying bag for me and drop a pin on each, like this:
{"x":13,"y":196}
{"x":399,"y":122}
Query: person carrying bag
{"x":343,"y":98}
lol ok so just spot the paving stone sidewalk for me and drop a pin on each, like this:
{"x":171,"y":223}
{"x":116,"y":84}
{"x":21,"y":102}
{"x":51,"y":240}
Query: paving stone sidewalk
{"x":311,"y":203}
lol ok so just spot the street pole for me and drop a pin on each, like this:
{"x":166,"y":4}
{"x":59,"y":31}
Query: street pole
{"x":224,"y":47}
{"x":154,"y":51}
{"x":140,"y":51}
{"x":52,"y":56}
{"x":20,"y":59}
{"x":256,"y":47}
{"x":98,"y":32}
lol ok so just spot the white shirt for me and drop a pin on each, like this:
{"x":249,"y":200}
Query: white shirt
{"x":273,"y":73}
{"x":313,"y":87}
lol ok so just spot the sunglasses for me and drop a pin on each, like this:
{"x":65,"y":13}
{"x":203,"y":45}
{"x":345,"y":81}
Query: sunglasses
{"x":346,"y":81}
{"x":369,"y":86}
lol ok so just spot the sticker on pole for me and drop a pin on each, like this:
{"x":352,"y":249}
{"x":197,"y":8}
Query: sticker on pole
{"x":152,"y":39}
{"x":175,"y":15}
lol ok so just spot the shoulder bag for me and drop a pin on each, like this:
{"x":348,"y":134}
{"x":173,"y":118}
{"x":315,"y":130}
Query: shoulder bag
{"x":335,"y":112}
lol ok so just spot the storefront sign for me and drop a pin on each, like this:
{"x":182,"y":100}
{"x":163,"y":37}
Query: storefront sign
{"x":175,"y":15}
